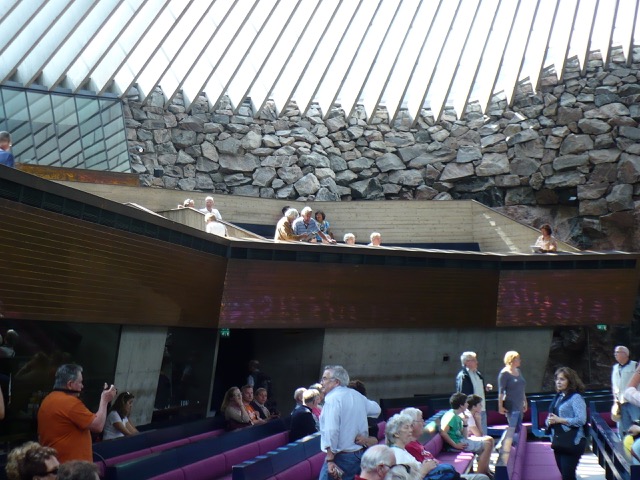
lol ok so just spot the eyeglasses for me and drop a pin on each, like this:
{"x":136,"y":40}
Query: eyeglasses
{"x":53,"y":471}
{"x":326,"y":379}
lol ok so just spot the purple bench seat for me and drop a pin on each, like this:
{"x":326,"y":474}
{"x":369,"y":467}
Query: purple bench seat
{"x":540,"y":463}
{"x":219,"y":467}
{"x":109,"y":462}
{"x":462,"y":461}
{"x":308,"y":469}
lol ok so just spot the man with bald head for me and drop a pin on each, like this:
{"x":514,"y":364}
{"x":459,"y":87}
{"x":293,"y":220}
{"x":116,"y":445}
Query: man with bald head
{"x":376,"y":463}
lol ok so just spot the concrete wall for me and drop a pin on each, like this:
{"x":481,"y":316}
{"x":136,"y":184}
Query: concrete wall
{"x":401,"y":363}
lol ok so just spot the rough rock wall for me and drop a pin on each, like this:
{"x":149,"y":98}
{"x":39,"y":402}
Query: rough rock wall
{"x":571,"y":149}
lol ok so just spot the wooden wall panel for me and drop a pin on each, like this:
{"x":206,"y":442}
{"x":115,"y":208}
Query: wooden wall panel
{"x":566,"y":297}
{"x":269,"y":294}
{"x":54,"y":267}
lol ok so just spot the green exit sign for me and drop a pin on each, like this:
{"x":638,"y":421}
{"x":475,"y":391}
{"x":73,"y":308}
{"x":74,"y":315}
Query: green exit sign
{"x":225,"y":332}
{"x":602,"y":328}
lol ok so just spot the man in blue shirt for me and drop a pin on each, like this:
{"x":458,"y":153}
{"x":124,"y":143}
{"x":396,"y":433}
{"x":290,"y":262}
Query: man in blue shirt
{"x":6,"y":158}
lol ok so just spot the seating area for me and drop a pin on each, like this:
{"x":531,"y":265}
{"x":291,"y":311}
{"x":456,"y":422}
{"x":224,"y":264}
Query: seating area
{"x":112,"y":452}
{"x":202,"y":450}
{"x":198,"y":457}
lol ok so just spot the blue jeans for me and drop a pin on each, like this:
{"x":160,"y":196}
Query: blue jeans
{"x":349,"y":462}
{"x":568,"y":463}
{"x":628,"y":414}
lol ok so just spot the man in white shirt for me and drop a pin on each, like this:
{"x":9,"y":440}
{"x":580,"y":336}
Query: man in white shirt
{"x":208,"y":208}
{"x":620,"y":375}
{"x":344,"y":417}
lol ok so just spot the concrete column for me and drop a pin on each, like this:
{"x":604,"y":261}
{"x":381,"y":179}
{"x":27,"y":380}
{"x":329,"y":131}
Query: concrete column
{"x":138,"y":367}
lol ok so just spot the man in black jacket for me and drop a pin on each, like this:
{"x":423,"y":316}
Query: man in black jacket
{"x":470,"y":381}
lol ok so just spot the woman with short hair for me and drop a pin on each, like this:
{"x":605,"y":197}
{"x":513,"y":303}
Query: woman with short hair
{"x":32,"y":461}
{"x":511,"y":387}
{"x":399,"y":433}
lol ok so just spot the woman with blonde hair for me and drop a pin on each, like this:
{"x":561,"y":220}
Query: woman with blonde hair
{"x":511,"y":387}
{"x":234,"y":410}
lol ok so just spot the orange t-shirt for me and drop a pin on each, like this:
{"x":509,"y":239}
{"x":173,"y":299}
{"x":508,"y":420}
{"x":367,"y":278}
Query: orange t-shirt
{"x":253,"y":415}
{"x":63,"y":424}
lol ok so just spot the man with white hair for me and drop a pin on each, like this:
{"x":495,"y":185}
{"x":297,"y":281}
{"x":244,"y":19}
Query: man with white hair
{"x":308,"y":226}
{"x":376,"y":463}
{"x":284,"y":230}
{"x":344,"y":417}
{"x":376,"y":239}
{"x":208,"y":208}
{"x":620,"y":376}
{"x":470,"y":381}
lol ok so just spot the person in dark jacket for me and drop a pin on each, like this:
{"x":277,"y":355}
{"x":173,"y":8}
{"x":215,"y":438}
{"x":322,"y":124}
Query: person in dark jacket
{"x":303,"y":422}
{"x":470,"y":381}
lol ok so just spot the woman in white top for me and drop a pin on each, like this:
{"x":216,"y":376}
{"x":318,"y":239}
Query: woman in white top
{"x":118,"y":423}
{"x":546,"y":242}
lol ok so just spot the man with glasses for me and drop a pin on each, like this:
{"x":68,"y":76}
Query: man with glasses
{"x":64,"y":423}
{"x":32,"y":461}
{"x":344,"y":417}
{"x":377,"y":463}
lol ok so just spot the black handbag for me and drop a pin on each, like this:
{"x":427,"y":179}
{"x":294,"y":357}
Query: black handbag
{"x":564,"y":441}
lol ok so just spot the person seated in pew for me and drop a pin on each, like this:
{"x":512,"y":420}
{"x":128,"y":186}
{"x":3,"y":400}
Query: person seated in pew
{"x":233,"y":410}
{"x":303,"y":422}
{"x":32,"y":461}
{"x":118,"y":423}
{"x":399,"y":433}
{"x":259,"y":404}
{"x":417,"y":450}
{"x":377,"y":463}
{"x":247,"y":399}
{"x":455,"y":433}
{"x":473,"y":418}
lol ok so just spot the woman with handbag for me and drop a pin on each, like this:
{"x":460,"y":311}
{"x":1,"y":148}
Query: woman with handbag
{"x":566,"y":421}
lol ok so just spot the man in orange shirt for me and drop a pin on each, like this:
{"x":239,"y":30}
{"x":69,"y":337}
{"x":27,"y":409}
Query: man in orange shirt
{"x":247,"y":398}
{"x":64,"y":423}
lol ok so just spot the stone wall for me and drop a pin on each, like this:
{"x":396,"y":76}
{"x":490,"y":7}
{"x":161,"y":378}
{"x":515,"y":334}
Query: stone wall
{"x":569,"y":152}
